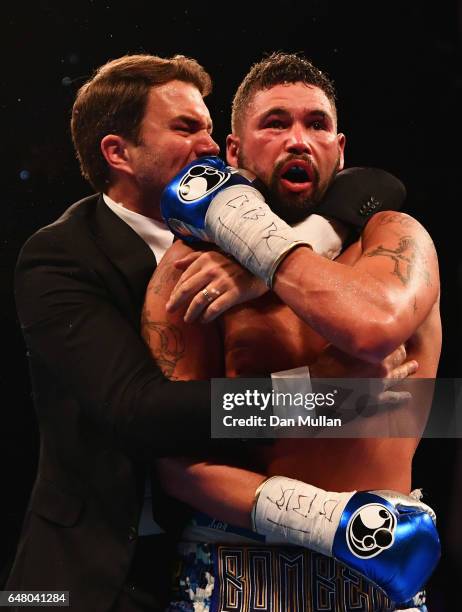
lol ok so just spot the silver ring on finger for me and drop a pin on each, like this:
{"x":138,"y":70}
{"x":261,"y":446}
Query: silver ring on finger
{"x":211,"y":294}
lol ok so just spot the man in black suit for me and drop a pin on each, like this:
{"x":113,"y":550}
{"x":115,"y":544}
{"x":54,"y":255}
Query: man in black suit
{"x":104,"y":408}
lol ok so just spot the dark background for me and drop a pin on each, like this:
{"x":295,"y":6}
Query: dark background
{"x":397,"y":71}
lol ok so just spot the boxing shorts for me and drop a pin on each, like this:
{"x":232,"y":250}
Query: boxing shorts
{"x":233,"y":570}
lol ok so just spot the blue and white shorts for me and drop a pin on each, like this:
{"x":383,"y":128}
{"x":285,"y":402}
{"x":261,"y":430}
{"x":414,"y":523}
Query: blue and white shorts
{"x":245,"y":575}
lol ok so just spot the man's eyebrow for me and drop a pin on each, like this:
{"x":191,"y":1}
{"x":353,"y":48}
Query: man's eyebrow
{"x":320,"y":113}
{"x":279,"y":110}
{"x":276,"y":110}
{"x":194,"y":121}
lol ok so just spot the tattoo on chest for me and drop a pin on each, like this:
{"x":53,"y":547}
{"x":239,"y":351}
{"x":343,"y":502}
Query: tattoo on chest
{"x":408,"y":260}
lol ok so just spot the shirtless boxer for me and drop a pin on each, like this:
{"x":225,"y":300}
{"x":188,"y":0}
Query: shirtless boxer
{"x":390,"y":277}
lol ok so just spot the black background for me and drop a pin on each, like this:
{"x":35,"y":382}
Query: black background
{"x":397,"y":72}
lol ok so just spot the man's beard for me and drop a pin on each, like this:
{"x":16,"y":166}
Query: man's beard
{"x":294,"y":207}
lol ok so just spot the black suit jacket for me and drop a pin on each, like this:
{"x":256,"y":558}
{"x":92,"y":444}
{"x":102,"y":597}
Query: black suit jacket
{"x":103,"y":406}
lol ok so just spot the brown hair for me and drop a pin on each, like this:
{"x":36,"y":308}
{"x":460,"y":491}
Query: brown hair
{"x":276,"y":69}
{"x":113,"y":101}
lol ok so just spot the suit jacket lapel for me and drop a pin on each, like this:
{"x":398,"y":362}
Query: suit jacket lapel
{"x":125,"y":249}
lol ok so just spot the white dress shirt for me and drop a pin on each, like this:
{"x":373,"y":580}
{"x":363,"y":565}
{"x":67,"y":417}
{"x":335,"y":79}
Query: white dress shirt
{"x":159,"y":238}
{"x":155,"y":233}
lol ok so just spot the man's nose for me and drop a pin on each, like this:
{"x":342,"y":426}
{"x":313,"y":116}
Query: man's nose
{"x":298,"y":141}
{"x":206,"y":146}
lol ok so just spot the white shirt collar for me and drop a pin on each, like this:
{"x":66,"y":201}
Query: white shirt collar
{"x":155,"y":233}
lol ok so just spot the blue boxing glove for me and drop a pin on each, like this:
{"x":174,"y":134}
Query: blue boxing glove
{"x":388,"y":537}
{"x":186,"y":198}
{"x":210,"y":201}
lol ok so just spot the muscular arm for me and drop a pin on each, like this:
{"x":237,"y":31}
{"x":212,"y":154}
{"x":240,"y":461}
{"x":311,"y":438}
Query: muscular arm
{"x":225,"y":492}
{"x":370,"y":308}
{"x":367,"y":307}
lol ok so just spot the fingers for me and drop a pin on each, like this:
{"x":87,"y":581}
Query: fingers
{"x":399,"y":356}
{"x":210,"y":311}
{"x":203,"y":301}
{"x":209,"y":303}
{"x":217,"y":308}
{"x":187,"y":260}
{"x":188,"y":290}
{"x":211,"y":284}
{"x":395,"y":359}
{"x":400,"y":373}
{"x":200,"y":269}
{"x":381,"y":394}
{"x":393,"y":397}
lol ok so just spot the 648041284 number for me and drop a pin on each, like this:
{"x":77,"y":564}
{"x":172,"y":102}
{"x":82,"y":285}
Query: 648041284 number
{"x":34,"y":598}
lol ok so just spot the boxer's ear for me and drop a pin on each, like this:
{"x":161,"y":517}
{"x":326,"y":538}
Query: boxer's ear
{"x":341,"y":140}
{"x":232,"y":149}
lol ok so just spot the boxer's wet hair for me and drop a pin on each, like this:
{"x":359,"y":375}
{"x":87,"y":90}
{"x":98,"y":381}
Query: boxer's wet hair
{"x":276,"y":69}
{"x":114,"y":101}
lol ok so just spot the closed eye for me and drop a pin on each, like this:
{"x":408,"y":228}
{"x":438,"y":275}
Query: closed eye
{"x":185,"y":127}
{"x":190,"y":125}
{"x":275,"y":124}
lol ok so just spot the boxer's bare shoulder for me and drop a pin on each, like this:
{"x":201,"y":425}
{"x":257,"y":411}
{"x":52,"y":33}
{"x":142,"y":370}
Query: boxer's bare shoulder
{"x":176,"y":347}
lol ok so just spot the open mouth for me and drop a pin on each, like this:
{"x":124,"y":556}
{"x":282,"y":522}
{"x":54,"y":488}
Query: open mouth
{"x":296,"y":175}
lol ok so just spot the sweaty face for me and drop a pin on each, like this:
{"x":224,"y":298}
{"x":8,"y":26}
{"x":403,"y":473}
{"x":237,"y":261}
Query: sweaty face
{"x":176,"y":129}
{"x":289,"y":139}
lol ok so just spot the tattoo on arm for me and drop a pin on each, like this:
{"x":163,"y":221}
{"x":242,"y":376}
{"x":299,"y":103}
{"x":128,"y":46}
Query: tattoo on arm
{"x":403,"y":220}
{"x":407,"y":258}
{"x":165,"y":341}
{"x":163,"y":280}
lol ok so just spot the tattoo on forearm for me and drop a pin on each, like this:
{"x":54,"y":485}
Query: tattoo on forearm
{"x":407,"y":260}
{"x":165,"y":341}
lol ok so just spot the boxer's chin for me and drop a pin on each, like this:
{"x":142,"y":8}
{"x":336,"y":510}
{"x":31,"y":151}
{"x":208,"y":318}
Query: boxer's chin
{"x":292,"y":207}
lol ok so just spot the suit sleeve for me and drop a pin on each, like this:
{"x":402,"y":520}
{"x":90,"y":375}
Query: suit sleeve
{"x":78,"y":336}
